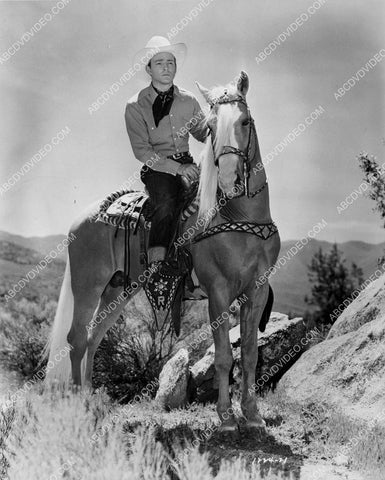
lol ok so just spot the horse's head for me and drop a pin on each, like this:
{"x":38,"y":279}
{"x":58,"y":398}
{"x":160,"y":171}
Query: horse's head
{"x":231,"y":131}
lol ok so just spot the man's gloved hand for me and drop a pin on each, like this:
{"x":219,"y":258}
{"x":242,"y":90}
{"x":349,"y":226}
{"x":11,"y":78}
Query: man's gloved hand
{"x":190,"y":172}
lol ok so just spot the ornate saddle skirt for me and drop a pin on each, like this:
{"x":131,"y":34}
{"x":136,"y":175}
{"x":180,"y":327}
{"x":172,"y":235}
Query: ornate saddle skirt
{"x":132,"y":209}
{"x":125,"y":209}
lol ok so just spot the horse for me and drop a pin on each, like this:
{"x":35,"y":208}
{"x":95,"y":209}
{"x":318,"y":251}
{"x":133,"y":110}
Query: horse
{"x":234,"y":246}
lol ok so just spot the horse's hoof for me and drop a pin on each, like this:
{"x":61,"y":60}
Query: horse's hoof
{"x":258,"y":426}
{"x":228,"y":427}
{"x":75,"y":388}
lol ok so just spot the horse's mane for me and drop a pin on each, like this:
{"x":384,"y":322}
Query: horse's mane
{"x":208,"y":183}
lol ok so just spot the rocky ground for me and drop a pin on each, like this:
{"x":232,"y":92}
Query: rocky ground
{"x":294,"y":446}
{"x":327,"y":418}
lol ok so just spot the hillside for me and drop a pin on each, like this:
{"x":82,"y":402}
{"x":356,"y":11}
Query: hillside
{"x":19,"y":254}
{"x":42,"y":245}
{"x":27,"y":266}
{"x":348,"y":368}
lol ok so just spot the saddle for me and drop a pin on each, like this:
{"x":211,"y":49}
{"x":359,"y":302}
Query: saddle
{"x":132,"y":211}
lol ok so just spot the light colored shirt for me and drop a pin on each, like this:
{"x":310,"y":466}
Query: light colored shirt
{"x":151,"y":144}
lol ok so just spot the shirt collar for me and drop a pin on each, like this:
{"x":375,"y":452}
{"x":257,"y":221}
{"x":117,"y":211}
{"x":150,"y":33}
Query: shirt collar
{"x":149,"y":91}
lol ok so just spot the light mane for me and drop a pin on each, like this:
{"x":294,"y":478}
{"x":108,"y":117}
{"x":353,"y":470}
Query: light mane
{"x":208,"y":184}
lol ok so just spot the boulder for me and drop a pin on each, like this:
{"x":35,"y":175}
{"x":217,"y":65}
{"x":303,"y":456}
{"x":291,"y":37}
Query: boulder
{"x":279,"y":347}
{"x":202,"y":379}
{"x":347,"y":369}
{"x":362,"y":310}
{"x":196,"y":332}
{"x":173,"y":381}
{"x":281,"y":344}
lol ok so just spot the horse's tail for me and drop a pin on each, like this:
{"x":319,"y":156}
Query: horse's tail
{"x":58,"y":349}
{"x":267,"y":311}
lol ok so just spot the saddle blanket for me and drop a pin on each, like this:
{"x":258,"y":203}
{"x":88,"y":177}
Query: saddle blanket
{"x":131,"y":208}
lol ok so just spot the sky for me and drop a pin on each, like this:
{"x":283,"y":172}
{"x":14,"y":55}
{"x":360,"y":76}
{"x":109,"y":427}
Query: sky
{"x":52,"y":80}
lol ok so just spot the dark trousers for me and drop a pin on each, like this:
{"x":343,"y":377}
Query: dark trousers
{"x":166,"y":196}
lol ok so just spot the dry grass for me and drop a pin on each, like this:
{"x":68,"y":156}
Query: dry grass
{"x":318,"y":431}
{"x":79,"y":436}
{"x":50,"y":436}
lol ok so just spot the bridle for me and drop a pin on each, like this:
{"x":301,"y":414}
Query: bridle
{"x":245,"y":155}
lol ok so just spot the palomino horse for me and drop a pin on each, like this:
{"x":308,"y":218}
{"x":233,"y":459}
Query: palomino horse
{"x":230,"y":252}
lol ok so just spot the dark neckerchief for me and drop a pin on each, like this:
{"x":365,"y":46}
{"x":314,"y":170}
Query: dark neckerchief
{"x":162,"y":104}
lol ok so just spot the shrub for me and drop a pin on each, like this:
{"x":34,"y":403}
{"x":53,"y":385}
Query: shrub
{"x":374,"y":177}
{"x":7,"y":417}
{"x":24,"y":330}
{"x":125,"y":363}
{"x":332,"y":283}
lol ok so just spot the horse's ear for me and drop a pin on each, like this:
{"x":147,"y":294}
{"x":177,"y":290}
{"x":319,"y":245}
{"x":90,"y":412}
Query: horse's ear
{"x":204,"y":91}
{"x":243,"y":83}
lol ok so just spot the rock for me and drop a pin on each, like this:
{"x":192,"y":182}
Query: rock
{"x":278,"y":348}
{"x":173,"y":381}
{"x":362,"y":310}
{"x":202,"y":379}
{"x":341,"y":459}
{"x":347,"y":370}
{"x":195,"y":327}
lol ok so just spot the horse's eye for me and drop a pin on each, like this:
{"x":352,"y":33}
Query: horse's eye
{"x":245,"y":122}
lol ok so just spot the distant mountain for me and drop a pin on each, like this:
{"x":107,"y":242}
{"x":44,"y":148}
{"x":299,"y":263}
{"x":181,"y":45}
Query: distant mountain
{"x":26,"y":269}
{"x":19,"y":254}
{"x":42,"y":245}
{"x":291,"y":283}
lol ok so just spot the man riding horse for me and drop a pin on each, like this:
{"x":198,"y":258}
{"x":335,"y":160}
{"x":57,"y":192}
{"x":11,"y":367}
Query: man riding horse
{"x":159,"y":119}
{"x":239,"y":245}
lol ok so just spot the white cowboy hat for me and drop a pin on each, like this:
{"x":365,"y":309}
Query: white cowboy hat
{"x":156,"y":45}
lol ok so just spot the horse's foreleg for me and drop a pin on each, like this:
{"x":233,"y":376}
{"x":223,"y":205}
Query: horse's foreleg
{"x":251,"y":313}
{"x":218,"y":305}
{"x":111,"y":305}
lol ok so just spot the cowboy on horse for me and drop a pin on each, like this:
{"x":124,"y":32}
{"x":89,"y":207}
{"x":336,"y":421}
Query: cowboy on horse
{"x":159,"y":119}
{"x":240,"y":244}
